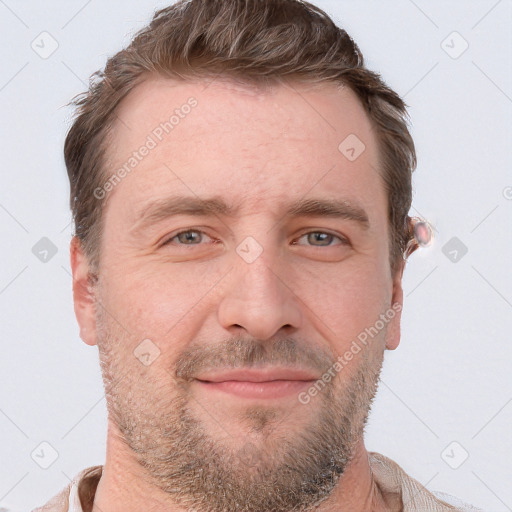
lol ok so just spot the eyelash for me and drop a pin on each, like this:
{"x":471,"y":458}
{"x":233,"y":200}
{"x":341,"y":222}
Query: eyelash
{"x":343,"y":240}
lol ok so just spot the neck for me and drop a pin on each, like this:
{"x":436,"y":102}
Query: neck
{"x":124,"y":486}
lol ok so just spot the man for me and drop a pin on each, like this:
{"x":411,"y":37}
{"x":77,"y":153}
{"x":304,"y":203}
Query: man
{"x":240,"y":185}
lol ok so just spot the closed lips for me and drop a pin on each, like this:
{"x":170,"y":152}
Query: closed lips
{"x":258,"y":375}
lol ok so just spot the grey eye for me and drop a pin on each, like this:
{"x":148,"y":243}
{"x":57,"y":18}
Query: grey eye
{"x":189,"y":237}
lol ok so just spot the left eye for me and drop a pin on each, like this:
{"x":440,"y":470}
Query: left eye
{"x":322,"y":237}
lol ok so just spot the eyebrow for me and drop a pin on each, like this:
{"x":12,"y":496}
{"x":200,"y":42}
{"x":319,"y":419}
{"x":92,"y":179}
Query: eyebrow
{"x":162,"y":209}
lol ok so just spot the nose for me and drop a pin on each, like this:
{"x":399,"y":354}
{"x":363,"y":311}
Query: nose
{"x":259,"y":299}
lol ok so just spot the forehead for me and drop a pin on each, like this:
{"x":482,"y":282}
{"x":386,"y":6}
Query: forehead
{"x":219,"y":139}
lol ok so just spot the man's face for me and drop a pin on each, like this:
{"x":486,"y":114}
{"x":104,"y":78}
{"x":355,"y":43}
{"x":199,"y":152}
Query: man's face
{"x":261,"y":288}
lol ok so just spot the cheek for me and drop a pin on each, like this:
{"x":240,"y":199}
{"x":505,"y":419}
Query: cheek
{"x":156,"y":300}
{"x":347,"y":298}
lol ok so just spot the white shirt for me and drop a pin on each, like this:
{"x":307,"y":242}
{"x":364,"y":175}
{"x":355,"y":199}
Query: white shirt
{"x":388,"y":475}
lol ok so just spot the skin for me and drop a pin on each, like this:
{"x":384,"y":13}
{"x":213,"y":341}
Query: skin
{"x":304,"y":299}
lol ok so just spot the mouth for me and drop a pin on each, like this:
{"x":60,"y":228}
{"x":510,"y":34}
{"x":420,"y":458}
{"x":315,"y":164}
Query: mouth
{"x":262,"y":383}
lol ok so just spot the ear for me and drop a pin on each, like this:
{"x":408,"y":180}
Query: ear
{"x":393,"y":330}
{"x":83,"y":297}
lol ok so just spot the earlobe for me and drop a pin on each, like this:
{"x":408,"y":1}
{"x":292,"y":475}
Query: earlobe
{"x":395,"y":313}
{"x":83,"y":298}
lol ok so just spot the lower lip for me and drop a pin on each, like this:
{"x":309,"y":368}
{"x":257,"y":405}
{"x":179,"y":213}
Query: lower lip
{"x":269,"y":389}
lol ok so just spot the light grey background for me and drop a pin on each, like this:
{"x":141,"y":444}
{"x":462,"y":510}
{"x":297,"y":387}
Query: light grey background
{"x":449,"y":380}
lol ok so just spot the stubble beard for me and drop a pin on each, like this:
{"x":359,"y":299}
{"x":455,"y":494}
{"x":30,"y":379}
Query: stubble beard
{"x":279,"y":468}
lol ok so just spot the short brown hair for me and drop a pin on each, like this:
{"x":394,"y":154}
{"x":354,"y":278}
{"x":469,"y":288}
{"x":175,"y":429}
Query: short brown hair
{"x":253,"y":41}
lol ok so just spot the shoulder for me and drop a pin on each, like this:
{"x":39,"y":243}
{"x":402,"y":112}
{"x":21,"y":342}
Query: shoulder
{"x":460,"y":505}
{"x":60,"y":502}
{"x":390,"y":477}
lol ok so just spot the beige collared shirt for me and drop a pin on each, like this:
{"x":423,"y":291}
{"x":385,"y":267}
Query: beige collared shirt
{"x":78,"y":496}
